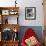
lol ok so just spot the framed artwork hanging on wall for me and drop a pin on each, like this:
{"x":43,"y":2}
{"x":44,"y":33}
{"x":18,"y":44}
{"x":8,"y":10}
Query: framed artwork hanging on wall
{"x":30,"y":13}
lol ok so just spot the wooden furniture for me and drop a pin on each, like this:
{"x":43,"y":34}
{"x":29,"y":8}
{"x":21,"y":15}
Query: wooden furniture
{"x":8,"y":11}
{"x":0,"y":43}
{"x":45,"y":37}
{"x":44,"y":8}
{"x":6,"y":24}
{"x":10,"y":43}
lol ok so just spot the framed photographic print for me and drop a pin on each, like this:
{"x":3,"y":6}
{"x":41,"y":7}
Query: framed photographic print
{"x":5,"y":12}
{"x":30,"y":13}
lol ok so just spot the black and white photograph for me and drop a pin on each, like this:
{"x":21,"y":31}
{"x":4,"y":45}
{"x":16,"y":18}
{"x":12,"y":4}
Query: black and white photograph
{"x":30,"y":13}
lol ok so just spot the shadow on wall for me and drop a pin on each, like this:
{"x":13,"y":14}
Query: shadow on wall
{"x":37,"y":29}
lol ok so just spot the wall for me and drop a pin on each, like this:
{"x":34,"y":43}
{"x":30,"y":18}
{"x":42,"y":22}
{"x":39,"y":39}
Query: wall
{"x":39,"y":12}
{"x":27,"y":3}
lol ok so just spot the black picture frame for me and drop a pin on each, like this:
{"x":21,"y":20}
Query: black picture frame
{"x":30,"y":13}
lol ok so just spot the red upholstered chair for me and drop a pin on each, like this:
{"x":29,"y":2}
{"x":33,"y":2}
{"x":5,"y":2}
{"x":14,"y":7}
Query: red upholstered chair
{"x":28,"y":34}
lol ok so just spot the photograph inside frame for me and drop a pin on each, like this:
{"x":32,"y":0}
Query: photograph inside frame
{"x":30,"y":13}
